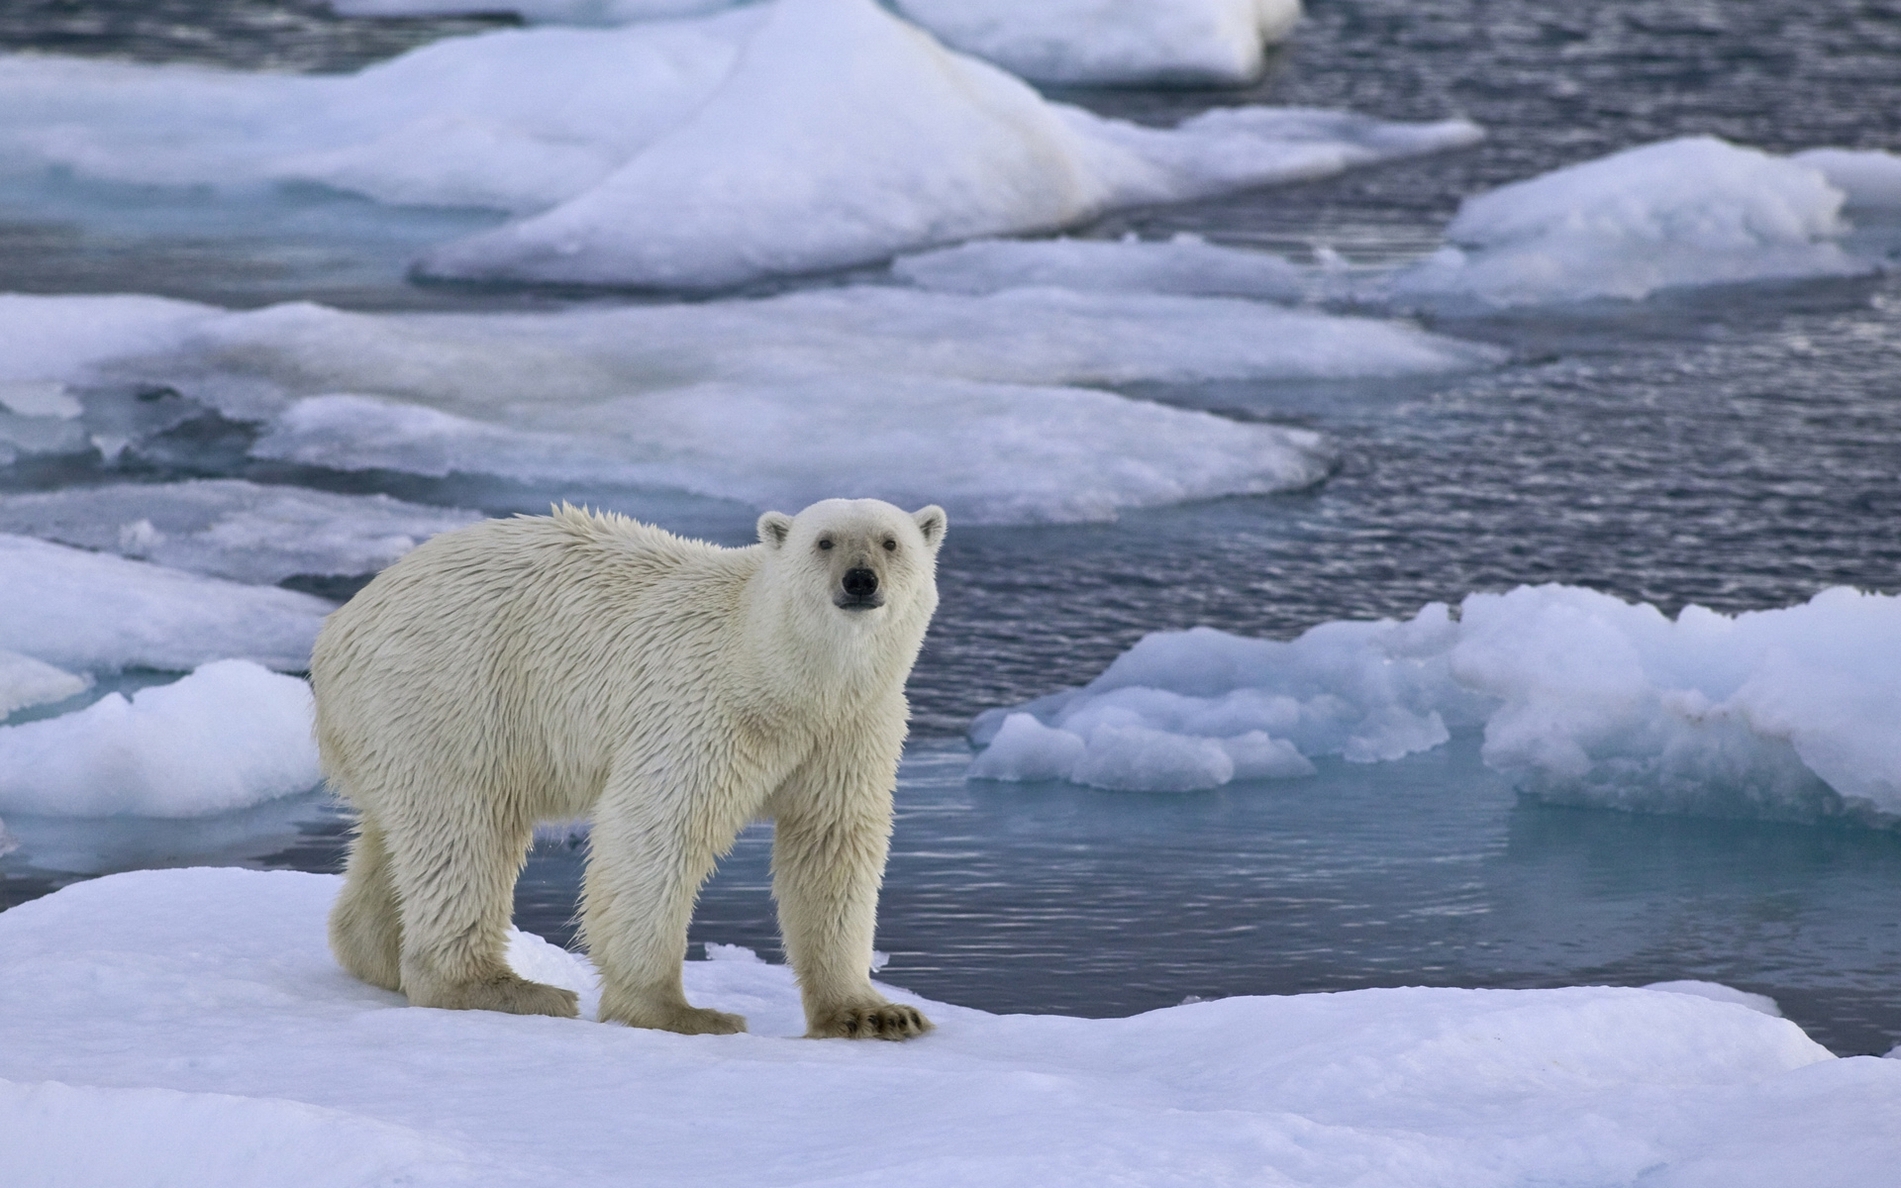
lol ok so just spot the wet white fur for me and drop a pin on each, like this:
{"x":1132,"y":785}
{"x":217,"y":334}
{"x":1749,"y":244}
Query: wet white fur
{"x":547,"y":668}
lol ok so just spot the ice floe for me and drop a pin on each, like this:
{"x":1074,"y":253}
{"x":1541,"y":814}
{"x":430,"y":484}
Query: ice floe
{"x":176,"y":1009}
{"x":791,"y":136}
{"x":229,"y":735}
{"x":97,"y":612}
{"x":1692,"y":211}
{"x":988,"y":404}
{"x":26,"y":682}
{"x":1082,"y":42}
{"x":1585,"y":699}
{"x":843,"y":136}
{"x":1113,"y":42}
{"x":1184,"y":264}
{"x":230,"y":528}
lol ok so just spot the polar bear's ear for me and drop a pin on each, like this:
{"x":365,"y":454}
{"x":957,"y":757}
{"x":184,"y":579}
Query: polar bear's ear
{"x":931,"y":522}
{"x":774,"y":527}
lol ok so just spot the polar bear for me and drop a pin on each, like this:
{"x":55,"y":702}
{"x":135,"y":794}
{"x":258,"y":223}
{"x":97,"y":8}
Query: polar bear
{"x":584,"y":664}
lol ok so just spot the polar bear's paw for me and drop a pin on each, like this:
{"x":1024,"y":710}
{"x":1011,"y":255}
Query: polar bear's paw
{"x":509,"y":993}
{"x":679,"y":1017}
{"x":886,"y":1020}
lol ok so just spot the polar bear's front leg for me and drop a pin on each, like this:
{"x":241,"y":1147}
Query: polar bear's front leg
{"x":832,"y":833}
{"x":648,"y":855}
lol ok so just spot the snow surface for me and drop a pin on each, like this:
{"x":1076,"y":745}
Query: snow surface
{"x":25,"y":682}
{"x":1113,"y":42}
{"x":1691,"y":211}
{"x":194,"y":1017}
{"x":94,"y":612}
{"x":985,"y":404}
{"x":230,"y":528}
{"x":1585,"y":699}
{"x":783,"y":137}
{"x":229,"y":735}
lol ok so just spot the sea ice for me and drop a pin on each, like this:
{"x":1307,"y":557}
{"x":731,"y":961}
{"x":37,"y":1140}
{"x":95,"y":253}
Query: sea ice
{"x":230,"y":528}
{"x":1186,"y":264}
{"x":25,"y":682}
{"x":1086,"y":42}
{"x":843,"y":136}
{"x":1113,"y":42}
{"x":988,"y":404}
{"x":229,"y":735}
{"x":1586,"y":699}
{"x":1691,"y":211}
{"x":1868,"y":177}
{"x":96,"y":612}
{"x":790,"y":136}
{"x":164,"y":1012}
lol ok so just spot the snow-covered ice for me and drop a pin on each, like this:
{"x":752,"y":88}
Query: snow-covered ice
{"x":1680,"y":213}
{"x":1691,"y":211}
{"x":230,"y":528}
{"x":228,"y":736}
{"x":96,"y":612}
{"x":843,"y":136}
{"x":988,"y":404}
{"x":168,"y":1013}
{"x":1086,"y":42}
{"x":1790,"y":714}
{"x":1113,"y":42}
{"x":783,"y":137}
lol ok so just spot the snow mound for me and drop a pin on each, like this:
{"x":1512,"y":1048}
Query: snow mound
{"x":217,"y":984}
{"x":1113,"y":42}
{"x":1585,"y":699}
{"x":987,"y":404}
{"x":25,"y":682}
{"x":843,"y":136}
{"x":90,"y":611}
{"x":228,"y":736}
{"x":1691,"y":211}
{"x":232,"y":529}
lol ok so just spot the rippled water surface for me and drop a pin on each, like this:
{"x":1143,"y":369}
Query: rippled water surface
{"x":1736,"y":447}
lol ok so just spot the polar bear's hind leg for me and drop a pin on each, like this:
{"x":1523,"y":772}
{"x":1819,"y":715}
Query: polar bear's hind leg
{"x":366,"y":933}
{"x":456,"y":893}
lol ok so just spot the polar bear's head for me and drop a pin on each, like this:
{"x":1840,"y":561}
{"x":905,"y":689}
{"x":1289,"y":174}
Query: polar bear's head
{"x":861,"y":561}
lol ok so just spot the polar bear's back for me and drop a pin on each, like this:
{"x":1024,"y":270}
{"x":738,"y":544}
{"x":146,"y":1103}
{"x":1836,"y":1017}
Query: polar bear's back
{"x":534,"y":643}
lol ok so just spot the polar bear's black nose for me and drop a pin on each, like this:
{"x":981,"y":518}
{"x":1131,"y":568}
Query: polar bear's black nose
{"x":861,"y":582}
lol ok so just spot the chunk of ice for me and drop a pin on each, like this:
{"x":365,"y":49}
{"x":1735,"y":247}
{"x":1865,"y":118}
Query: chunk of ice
{"x":1113,"y":42}
{"x":983,"y":403}
{"x":228,"y":736}
{"x":1790,"y":714}
{"x":230,"y":528}
{"x":96,"y":612}
{"x":1691,"y":211}
{"x":26,"y":682}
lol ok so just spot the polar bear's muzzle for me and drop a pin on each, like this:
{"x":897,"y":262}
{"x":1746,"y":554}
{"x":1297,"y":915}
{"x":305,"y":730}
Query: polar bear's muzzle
{"x":859,"y":590}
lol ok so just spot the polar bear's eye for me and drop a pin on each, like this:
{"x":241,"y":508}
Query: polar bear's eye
{"x":825,"y":542}
{"x":890,"y":546}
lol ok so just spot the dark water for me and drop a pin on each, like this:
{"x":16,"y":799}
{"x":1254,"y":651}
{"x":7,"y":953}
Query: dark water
{"x":1736,"y":447}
